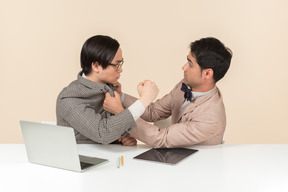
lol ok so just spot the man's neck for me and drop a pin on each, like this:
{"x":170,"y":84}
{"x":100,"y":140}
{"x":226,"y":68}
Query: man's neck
{"x":91,"y":77}
{"x":204,"y":88}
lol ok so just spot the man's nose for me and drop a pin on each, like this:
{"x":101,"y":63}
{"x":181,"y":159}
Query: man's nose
{"x":184,"y":67}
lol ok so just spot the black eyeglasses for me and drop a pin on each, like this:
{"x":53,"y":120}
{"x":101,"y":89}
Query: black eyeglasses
{"x":118,"y":66}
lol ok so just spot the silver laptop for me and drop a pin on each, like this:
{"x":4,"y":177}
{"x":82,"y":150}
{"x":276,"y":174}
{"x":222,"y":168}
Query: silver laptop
{"x":55,"y":146}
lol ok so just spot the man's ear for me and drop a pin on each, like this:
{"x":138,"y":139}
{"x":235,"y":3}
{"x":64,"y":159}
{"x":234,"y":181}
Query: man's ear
{"x":208,"y":73}
{"x":95,"y":67}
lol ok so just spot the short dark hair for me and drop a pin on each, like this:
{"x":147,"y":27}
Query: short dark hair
{"x":99,"y":48}
{"x":211,"y":53}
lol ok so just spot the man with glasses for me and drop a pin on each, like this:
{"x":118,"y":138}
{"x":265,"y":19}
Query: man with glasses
{"x":195,"y":103}
{"x":80,"y":104}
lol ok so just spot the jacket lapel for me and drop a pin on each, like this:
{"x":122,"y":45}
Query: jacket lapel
{"x":187,"y":109}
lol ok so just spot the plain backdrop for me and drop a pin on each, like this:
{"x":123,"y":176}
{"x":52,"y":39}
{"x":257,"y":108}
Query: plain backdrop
{"x":40,"y":43}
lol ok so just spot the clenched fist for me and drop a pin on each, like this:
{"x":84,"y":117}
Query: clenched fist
{"x":148,"y":91}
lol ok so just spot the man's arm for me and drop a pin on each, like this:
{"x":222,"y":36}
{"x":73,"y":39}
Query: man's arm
{"x":96,"y":126}
{"x":147,"y":90}
{"x":203,"y":124}
{"x":162,"y":108}
{"x":179,"y":134}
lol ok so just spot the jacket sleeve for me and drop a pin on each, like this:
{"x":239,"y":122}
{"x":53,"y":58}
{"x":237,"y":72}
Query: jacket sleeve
{"x":128,"y":100}
{"x":98,"y":127}
{"x":155,"y":111}
{"x":176,"y":135}
{"x":161,"y":108}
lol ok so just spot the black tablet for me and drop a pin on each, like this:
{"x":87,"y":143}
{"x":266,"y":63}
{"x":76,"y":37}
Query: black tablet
{"x":166,"y":155}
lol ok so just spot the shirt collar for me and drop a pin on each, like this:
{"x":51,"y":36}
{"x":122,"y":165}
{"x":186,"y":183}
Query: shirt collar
{"x":198,"y":94}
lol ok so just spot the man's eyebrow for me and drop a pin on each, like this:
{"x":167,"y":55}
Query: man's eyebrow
{"x":189,"y":60}
{"x":118,"y":61}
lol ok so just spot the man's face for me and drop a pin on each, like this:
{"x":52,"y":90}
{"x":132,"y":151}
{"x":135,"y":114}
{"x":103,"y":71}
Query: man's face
{"x":111,"y":74}
{"x":192,"y":73}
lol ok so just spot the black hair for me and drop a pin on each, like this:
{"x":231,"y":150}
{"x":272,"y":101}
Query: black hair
{"x":211,"y":53}
{"x":99,"y":48}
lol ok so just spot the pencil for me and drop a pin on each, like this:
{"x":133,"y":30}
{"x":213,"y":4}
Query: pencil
{"x":122,"y":160}
{"x":119,"y":162}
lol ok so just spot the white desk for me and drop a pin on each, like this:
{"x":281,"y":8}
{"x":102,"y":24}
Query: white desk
{"x":225,"y":168}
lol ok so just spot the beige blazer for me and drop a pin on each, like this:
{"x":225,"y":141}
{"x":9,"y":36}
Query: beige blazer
{"x":202,"y":121}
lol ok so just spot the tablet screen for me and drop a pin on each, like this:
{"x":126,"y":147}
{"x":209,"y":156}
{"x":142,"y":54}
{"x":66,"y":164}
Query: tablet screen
{"x":166,"y":155}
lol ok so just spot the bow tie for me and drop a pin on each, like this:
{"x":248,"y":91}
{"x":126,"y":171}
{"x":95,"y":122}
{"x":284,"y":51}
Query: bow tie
{"x":187,"y":92}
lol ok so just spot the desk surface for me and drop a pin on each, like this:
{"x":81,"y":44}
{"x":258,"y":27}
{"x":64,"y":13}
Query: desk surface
{"x":225,"y":168}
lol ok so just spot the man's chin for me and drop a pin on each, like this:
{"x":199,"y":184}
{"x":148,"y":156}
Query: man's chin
{"x":187,"y":83}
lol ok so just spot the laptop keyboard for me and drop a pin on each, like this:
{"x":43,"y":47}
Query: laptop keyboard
{"x":85,"y":165}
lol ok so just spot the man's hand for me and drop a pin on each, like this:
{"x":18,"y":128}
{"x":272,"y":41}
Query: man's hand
{"x":148,"y":91}
{"x":113,"y":104}
{"x":128,"y":140}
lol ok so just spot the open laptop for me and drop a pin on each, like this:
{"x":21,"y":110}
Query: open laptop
{"x":55,"y":146}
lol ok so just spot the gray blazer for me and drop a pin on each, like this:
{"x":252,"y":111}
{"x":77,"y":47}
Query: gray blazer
{"x":80,"y":106}
{"x":202,"y":121}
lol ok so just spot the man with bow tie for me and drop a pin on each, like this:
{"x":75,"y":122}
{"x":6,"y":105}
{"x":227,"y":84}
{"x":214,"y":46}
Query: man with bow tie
{"x":195,"y":104}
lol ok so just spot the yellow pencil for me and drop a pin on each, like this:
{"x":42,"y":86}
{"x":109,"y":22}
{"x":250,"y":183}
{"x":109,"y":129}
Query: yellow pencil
{"x":122,"y":160}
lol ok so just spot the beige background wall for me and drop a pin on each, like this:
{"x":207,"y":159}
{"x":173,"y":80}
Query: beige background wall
{"x":40,"y":43}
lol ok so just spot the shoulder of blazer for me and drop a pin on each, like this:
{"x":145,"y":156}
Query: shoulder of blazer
{"x":98,"y":87}
{"x":88,"y":83}
{"x":204,"y":98}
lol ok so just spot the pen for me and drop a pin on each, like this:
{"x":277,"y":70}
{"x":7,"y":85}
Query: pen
{"x":122,"y":160}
